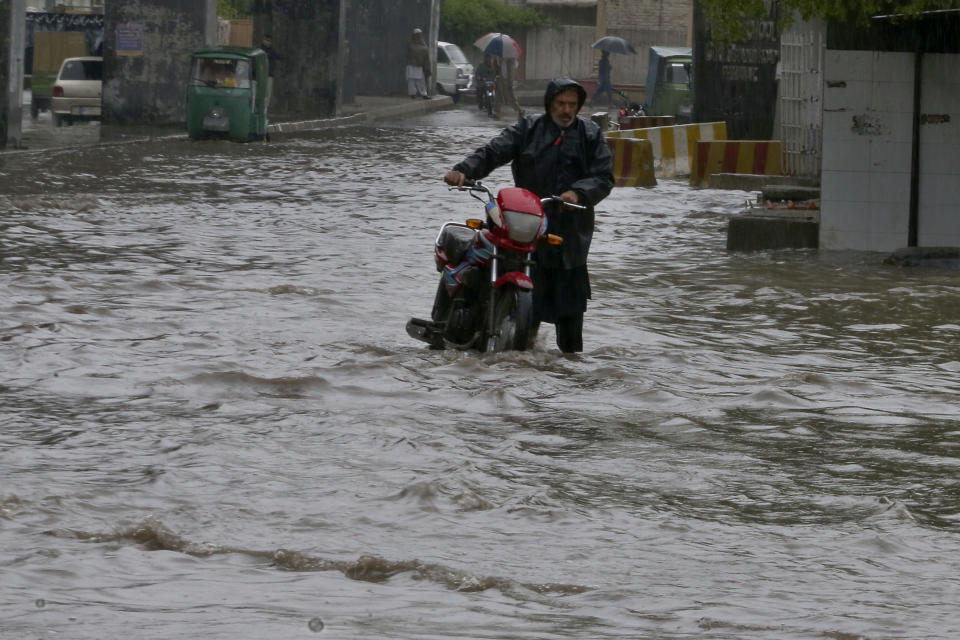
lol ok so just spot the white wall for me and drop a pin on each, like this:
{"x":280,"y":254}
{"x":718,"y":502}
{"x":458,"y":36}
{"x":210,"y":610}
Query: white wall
{"x":867,"y":146}
{"x":940,"y":153}
{"x":867,"y":133}
{"x":565,"y":50}
{"x":558,"y":51}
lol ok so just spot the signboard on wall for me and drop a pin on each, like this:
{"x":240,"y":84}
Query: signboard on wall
{"x":130,"y":39}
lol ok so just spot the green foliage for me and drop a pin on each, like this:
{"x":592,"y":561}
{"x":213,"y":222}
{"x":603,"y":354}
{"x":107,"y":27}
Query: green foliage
{"x":729,"y":19}
{"x":463,"y":21}
{"x":228,"y":9}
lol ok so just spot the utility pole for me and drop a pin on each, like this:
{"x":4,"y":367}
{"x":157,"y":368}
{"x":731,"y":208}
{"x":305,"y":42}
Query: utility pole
{"x":14,"y":23}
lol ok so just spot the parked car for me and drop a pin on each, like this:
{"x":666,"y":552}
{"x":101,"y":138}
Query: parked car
{"x":454,"y":71}
{"x":77,"y":90}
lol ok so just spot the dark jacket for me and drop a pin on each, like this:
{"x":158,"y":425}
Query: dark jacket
{"x":603,"y":72}
{"x":549,"y":161}
{"x":418,"y":55}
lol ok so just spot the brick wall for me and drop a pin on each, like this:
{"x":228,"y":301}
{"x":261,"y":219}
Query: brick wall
{"x":669,"y":15}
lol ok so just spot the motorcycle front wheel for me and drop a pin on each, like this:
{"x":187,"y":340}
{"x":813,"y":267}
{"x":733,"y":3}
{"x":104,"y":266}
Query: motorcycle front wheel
{"x":512,"y":320}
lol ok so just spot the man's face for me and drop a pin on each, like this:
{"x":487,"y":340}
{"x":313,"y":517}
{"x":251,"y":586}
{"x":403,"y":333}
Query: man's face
{"x":564,"y":107}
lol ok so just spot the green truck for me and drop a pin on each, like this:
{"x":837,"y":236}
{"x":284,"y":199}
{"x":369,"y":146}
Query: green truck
{"x":669,"y":90}
{"x":228,"y":94}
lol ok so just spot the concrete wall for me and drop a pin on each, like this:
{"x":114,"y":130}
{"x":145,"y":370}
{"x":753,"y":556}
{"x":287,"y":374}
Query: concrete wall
{"x":146,"y":57}
{"x":564,"y":49}
{"x":377,"y":36}
{"x":867,"y":147}
{"x":939,"y":223}
{"x":12,"y":18}
{"x":867,"y":134}
{"x":306,"y":36}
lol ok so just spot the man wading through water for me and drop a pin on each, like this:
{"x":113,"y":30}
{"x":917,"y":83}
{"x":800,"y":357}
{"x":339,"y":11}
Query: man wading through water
{"x":554,"y":153}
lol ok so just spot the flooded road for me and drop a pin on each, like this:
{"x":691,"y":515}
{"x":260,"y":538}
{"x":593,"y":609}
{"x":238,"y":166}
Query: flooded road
{"x":215,"y":425}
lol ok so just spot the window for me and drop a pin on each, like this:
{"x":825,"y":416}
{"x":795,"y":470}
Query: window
{"x":221,"y":72}
{"x":82,"y":70}
{"x":677,"y":72}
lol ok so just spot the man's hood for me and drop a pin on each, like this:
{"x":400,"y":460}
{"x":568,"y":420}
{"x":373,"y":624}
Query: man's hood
{"x":559,"y":85}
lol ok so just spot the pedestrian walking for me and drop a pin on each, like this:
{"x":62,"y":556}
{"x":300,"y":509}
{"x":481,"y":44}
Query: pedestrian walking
{"x":604,"y":85}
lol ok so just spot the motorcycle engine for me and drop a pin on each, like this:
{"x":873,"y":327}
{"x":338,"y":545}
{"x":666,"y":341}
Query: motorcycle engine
{"x":461,"y":324}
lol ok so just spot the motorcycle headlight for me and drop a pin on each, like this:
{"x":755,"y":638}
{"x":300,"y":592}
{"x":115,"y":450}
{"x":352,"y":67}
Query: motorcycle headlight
{"x":522,"y":227}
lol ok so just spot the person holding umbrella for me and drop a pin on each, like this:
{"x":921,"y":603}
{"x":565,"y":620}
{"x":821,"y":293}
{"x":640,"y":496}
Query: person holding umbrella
{"x":505,"y":52}
{"x":608,"y":45}
{"x":604,"y":85}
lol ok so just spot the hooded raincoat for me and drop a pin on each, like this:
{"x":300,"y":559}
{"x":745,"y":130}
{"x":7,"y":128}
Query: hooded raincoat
{"x":549,"y":160}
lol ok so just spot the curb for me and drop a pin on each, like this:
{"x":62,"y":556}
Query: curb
{"x":413,"y":108}
{"x":388,"y":112}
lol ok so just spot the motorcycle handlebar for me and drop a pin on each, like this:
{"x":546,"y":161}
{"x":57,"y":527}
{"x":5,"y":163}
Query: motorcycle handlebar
{"x":562,"y":202}
{"x":476,"y":185}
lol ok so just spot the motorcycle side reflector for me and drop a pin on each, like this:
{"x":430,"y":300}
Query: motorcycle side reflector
{"x":554,"y":240}
{"x":475,"y":223}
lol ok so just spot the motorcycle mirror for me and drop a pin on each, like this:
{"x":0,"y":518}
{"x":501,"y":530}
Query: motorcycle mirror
{"x":475,"y":223}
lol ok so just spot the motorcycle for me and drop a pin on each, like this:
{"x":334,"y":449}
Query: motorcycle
{"x":485,"y":297}
{"x":487,"y":95}
{"x":628,"y":109}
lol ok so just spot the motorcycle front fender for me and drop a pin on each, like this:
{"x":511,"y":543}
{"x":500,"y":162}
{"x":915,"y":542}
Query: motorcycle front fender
{"x":517,"y":278}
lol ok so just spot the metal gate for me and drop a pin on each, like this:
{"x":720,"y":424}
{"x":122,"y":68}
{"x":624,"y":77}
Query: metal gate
{"x":801,"y":97}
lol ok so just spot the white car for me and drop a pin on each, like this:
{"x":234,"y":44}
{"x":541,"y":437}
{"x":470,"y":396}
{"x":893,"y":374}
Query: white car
{"x":454,"y":71}
{"x":77,"y":90}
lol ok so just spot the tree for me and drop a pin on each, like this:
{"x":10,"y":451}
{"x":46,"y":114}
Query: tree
{"x":728,"y":19}
{"x":463,"y":21}
{"x":234,"y":8}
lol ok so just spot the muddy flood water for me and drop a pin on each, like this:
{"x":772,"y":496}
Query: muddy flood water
{"x":215,"y":426}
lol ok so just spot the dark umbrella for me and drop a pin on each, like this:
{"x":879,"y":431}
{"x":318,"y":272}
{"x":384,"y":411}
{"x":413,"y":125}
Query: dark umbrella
{"x":613,"y":44}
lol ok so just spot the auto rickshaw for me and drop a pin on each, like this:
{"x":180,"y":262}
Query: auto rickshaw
{"x":669,"y":91}
{"x":227,"y":94}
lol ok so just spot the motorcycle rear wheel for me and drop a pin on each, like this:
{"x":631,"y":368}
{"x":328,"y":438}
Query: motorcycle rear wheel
{"x":512,"y":320}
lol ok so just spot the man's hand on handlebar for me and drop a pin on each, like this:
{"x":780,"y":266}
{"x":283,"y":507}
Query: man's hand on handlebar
{"x":455,"y":178}
{"x":570,"y":196}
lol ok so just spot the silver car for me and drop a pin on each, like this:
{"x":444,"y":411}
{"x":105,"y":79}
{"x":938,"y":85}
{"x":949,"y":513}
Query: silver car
{"x":77,"y":90}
